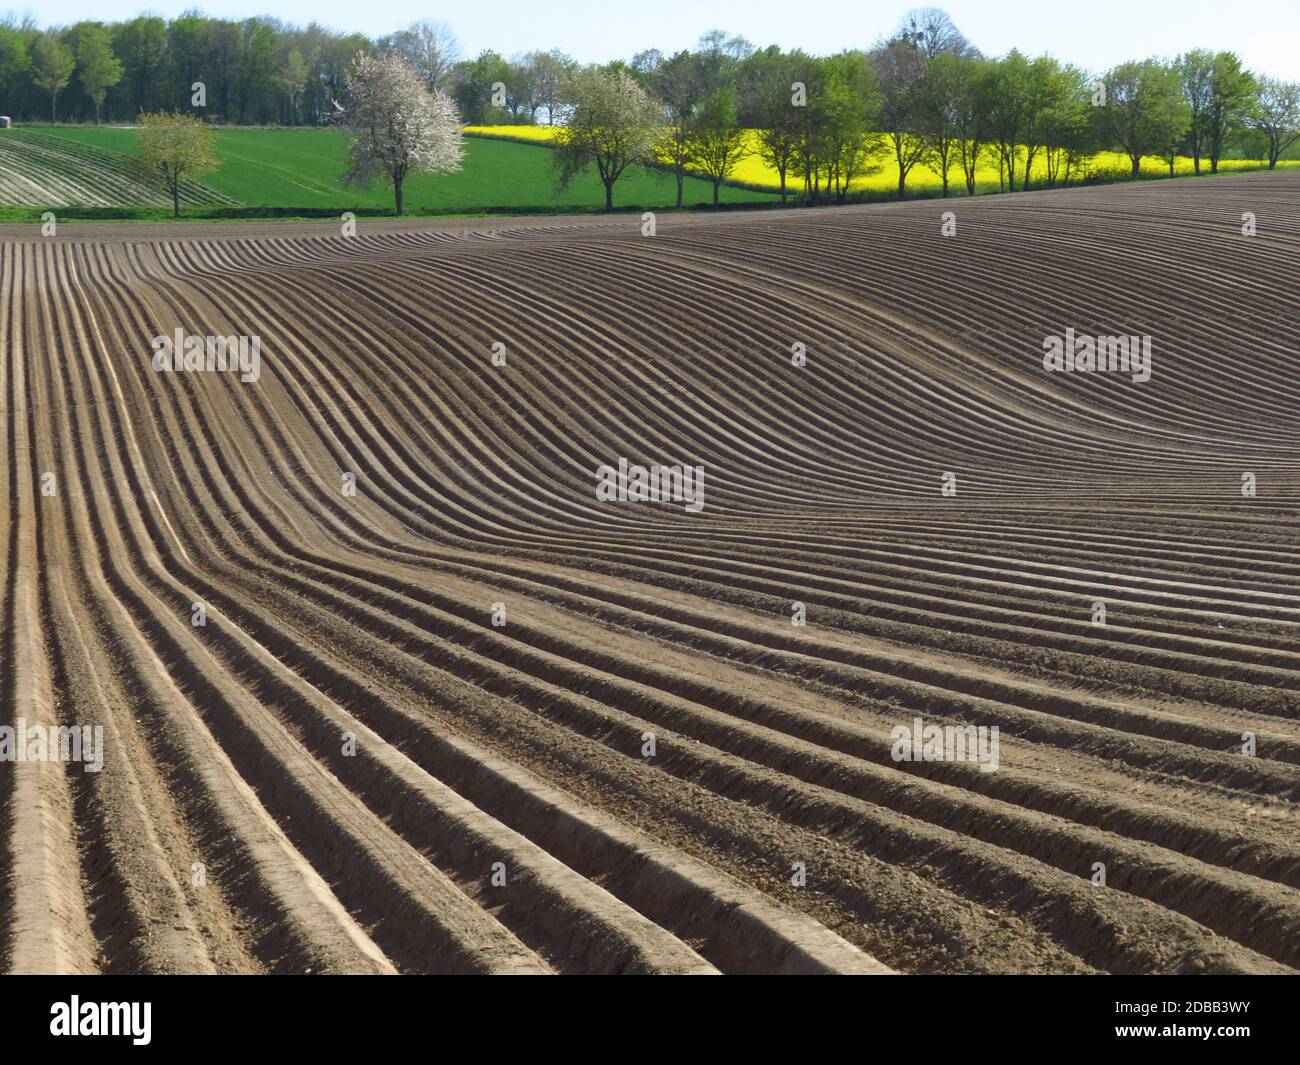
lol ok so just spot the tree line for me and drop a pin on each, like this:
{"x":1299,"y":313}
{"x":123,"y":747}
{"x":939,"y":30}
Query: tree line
{"x":924,"y":96}
{"x":255,"y":71}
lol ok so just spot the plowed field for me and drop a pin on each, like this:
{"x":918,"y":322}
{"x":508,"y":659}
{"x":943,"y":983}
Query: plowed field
{"x":39,"y":170}
{"x":471,"y":718}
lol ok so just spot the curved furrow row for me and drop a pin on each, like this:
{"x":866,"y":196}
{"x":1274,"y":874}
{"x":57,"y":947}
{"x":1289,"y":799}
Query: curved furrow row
{"x":385,"y":685}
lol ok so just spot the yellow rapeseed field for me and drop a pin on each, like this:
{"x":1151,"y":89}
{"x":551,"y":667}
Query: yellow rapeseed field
{"x":527,"y":134}
{"x":754,"y":172}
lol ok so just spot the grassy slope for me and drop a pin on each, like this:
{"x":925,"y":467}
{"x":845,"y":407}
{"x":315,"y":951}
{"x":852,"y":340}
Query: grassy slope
{"x":294,"y":172}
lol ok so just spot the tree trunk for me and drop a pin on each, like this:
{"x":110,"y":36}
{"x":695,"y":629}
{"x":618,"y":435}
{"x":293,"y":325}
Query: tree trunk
{"x":54,"y":97}
{"x":609,"y":195}
{"x":680,"y":183}
{"x":716,"y":183}
{"x":1136,"y":160}
{"x":397,"y":192}
{"x":176,"y":198}
{"x":902,"y":182}
{"x":782,"y":173}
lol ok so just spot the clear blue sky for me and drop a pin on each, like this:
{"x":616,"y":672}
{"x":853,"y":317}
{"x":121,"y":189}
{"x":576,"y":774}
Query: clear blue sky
{"x":1092,"y":33}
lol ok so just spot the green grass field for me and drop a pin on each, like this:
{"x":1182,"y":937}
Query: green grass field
{"x":294,"y":173}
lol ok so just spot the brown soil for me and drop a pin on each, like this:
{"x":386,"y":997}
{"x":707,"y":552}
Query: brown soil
{"x":519,"y":747}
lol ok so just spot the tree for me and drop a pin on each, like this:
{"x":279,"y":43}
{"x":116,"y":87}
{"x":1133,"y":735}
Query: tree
{"x":721,"y":53}
{"x":292,"y":78}
{"x":810,"y":128}
{"x":1195,"y":74}
{"x":613,"y":124}
{"x":400,"y":125}
{"x":837,"y":126}
{"x":900,"y":68}
{"x":520,"y":98}
{"x":141,"y":44}
{"x":930,"y":30}
{"x":474,"y":81}
{"x":525,"y":74}
{"x":224,"y":41}
{"x":537,"y":78}
{"x":1144,"y":109}
{"x":715,"y":138}
{"x":1045,"y":91}
{"x":677,"y":84}
{"x":429,"y":48}
{"x":52,"y":66}
{"x":178,"y":148}
{"x":1277,"y":115}
{"x":970,"y":125}
{"x":941,"y":100}
{"x":1232,"y":94}
{"x":1007,"y":97}
{"x":768,"y":106}
{"x":256,"y":67}
{"x":1174,"y":146}
{"x":848,"y":111}
{"x":15,"y":60}
{"x":644,"y":64}
{"x":98,"y":68}
{"x":187,"y":42}
{"x":1067,"y":127}
{"x":549,"y":70}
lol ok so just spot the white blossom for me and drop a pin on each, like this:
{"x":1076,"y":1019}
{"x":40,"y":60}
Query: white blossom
{"x":400,"y":125}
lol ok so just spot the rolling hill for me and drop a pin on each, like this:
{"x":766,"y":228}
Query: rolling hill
{"x":294,"y":173}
